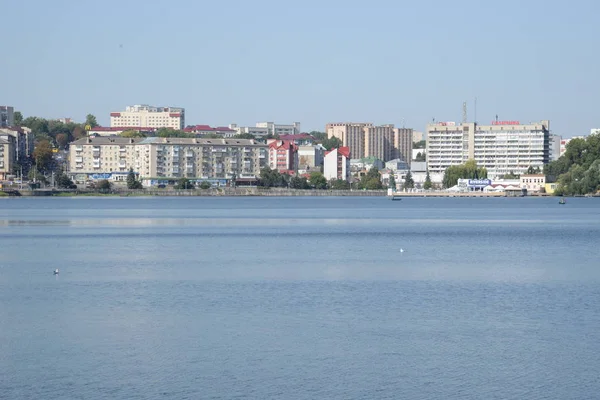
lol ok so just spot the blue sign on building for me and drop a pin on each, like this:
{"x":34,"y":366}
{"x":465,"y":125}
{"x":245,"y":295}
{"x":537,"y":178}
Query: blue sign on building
{"x":479,"y":182}
{"x":101,"y":176}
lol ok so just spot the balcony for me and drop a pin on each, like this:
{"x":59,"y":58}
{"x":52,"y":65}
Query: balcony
{"x":78,"y":159}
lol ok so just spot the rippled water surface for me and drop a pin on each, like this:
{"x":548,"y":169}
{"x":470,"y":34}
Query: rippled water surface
{"x":299,"y":298}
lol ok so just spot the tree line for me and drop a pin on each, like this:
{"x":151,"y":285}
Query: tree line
{"x":577,"y":171}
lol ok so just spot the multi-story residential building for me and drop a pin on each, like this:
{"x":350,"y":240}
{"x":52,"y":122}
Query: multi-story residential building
{"x":366,"y":140}
{"x":502,"y":147}
{"x":23,"y":141}
{"x":206,"y":130}
{"x":310,"y":158}
{"x":594,"y":131}
{"x":336,"y":164}
{"x":555,"y":147}
{"x":268,"y":128}
{"x":149,"y":116}
{"x":417,"y":136}
{"x":7,"y":156}
{"x":280,"y":129}
{"x":283,"y":156}
{"x":7,"y":116}
{"x":155,"y":158}
{"x":301,"y":139}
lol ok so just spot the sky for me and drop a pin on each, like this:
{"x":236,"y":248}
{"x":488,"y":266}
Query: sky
{"x":380,"y":61}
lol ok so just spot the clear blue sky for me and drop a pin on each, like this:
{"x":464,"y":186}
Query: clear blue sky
{"x":380,"y":61}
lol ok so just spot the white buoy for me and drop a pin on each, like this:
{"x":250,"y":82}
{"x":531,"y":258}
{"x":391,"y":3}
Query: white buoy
{"x":401,"y":250}
{"x":56,"y":271}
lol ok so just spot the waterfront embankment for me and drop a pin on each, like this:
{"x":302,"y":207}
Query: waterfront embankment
{"x":242,"y":191}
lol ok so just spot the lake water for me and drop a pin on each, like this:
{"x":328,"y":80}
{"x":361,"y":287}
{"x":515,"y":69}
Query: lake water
{"x":299,"y":298}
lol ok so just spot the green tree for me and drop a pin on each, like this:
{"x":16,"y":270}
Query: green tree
{"x":420,"y":145}
{"x":339,"y":184}
{"x":42,"y":155}
{"x":510,"y":175}
{"x":132,"y":182}
{"x":299,"y":182}
{"x":184,"y":183}
{"x":317,"y":180}
{"x":319,"y":136}
{"x":131,"y":133}
{"x":18,"y":117}
{"x":371,"y":180}
{"x":532,"y":170}
{"x":63,"y":181}
{"x":104,"y":185}
{"x":37,"y":176}
{"x":468,"y":170}
{"x":392,"y":181}
{"x":420,"y":157}
{"x":409,"y":183}
{"x":91,"y":120}
{"x":331,"y":143}
{"x":78,"y":132}
{"x":205,"y":185}
{"x":272,"y":178}
{"x":62,"y":139}
{"x":244,"y":136}
{"x":174,"y":133}
{"x":427,"y":185}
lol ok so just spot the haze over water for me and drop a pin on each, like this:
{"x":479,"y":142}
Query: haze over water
{"x":299,"y":298}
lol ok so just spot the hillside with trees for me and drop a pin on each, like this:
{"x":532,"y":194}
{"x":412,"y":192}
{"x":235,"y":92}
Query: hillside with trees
{"x":468,"y":170}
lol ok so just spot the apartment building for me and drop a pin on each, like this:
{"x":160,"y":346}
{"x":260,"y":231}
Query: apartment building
{"x":283,"y":156}
{"x":24,"y":142}
{"x":501,"y":147}
{"x":268,"y":128}
{"x":336,"y":164}
{"x":7,"y":156}
{"x":384,"y":142}
{"x":207,"y":129}
{"x":112,"y":157}
{"x":149,"y":116}
{"x":7,"y":116}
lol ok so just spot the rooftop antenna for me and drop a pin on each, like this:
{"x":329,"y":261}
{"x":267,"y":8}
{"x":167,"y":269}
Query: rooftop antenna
{"x":496,"y":117}
{"x":464,"y":112}
{"x":475,"y":111}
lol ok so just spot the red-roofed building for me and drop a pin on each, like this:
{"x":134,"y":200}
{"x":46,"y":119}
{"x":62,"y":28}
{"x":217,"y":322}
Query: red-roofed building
{"x":207,"y":129}
{"x":283,"y":156}
{"x":336,"y":164}
{"x":300,"y":139}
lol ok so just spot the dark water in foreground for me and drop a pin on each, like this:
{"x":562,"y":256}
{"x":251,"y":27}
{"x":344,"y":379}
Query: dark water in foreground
{"x":299,"y":298}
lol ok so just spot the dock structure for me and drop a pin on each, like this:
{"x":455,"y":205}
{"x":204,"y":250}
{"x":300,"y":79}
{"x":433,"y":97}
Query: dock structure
{"x":394,"y":195}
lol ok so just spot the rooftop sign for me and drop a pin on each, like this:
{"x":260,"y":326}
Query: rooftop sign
{"x":505,"y":123}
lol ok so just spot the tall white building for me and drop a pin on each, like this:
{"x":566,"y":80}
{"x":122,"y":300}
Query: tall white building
{"x":145,"y":116}
{"x":7,"y":116}
{"x":501,"y":147}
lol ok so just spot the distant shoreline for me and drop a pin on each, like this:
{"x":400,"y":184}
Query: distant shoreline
{"x":254,"y":192}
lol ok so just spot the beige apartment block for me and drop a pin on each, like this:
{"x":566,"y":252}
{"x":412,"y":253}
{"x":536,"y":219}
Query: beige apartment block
{"x":501,"y":147}
{"x":168,"y":157}
{"x":7,"y":156}
{"x":384,"y":142}
{"x":146,"y":116}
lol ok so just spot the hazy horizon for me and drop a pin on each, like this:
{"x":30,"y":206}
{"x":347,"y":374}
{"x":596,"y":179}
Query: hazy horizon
{"x":314,"y":62}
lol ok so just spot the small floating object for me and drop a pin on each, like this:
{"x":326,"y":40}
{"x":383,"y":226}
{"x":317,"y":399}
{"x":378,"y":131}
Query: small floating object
{"x":401,"y":251}
{"x":56,"y":271}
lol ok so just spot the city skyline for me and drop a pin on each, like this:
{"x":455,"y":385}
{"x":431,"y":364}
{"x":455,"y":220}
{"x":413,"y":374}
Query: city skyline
{"x":401,"y":65}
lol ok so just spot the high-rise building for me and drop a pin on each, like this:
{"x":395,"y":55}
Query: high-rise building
{"x":384,"y":142}
{"x":7,"y":116}
{"x":146,"y":116}
{"x":501,"y":147}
